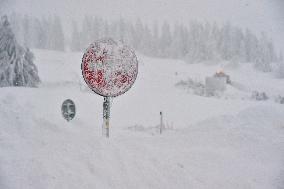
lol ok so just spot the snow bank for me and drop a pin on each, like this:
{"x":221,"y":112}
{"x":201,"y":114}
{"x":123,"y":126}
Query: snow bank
{"x":214,"y":144}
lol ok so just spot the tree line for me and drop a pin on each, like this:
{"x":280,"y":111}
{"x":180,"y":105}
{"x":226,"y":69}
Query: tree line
{"x":195,"y":42}
{"x":40,"y":33}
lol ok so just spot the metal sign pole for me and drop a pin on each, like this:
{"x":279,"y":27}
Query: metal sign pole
{"x":161,"y":122}
{"x":106,"y":115}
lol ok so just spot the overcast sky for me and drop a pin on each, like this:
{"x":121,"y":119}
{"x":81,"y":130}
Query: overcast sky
{"x":258,"y":15}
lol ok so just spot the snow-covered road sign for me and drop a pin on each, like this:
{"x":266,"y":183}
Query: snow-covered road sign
{"x":68,"y":109}
{"x":109,"y":68}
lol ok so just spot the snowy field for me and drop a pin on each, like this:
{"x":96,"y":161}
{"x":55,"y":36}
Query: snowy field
{"x":222,"y":142}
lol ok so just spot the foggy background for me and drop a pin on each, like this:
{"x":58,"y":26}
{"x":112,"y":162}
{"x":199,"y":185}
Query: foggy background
{"x":257,"y":15}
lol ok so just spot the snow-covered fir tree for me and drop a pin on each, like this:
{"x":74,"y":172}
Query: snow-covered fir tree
{"x":56,"y":35}
{"x":75,"y":38}
{"x":280,"y":66}
{"x":16,"y":63}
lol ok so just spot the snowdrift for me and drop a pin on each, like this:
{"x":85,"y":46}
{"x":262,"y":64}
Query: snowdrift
{"x":215,"y":143}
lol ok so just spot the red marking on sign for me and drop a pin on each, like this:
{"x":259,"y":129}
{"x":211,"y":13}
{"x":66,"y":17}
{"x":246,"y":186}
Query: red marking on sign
{"x":109,"y":68}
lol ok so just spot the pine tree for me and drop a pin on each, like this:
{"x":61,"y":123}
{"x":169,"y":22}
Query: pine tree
{"x":121,"y":30}
{"x":75,"y":38}
{"x":263,"y":59}
{"x":57,"y":35}
{"x":86,"y":32}
{"x":155,"y":39}
{"x":16,"y":63}
{"x":165,"y":40}
{"x":27,"y":31}
{"x":280,"y":58}
{"x":40,"y":34}
{"x":105,"y":32}
{"x":138,"y":34}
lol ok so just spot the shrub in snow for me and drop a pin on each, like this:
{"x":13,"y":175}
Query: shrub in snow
{"x":262,"y":65}
{"x":259,"y":96}
{"x":16,"y":63}
{"x":192,"y":86}
{"x":214,"y":85}
{"x":279,"y":99}
{"x":279,"y":70}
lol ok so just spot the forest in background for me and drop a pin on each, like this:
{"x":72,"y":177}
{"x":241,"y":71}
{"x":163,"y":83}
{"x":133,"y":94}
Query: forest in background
{"x":195,"y":42}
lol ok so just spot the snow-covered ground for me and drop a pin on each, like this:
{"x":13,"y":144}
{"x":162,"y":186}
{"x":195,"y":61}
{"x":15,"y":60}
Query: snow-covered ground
{"x":225,"y":142}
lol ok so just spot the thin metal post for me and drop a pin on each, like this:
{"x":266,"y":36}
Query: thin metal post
{"x":161,"y":122}
{"x":106,"y":115}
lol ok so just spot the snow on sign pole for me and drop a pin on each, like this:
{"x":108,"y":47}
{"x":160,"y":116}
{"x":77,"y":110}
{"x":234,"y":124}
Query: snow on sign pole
{"x":109,"y":68}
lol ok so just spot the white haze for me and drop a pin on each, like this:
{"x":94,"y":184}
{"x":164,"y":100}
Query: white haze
{"x":257,"y":15}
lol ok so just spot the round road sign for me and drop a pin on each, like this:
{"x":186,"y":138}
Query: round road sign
{"x":68,"y":109}
{"x":109,"y":68}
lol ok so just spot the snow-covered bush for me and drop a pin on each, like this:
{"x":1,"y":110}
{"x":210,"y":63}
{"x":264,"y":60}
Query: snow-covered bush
{"x":262,"y":65}
{"x":279,"y":70}
{"x":214,"y":86}
{"x":192,"y":86}
{"x":16,"y":63}
{"x":259,"y":96}
{"x":279,"y":99}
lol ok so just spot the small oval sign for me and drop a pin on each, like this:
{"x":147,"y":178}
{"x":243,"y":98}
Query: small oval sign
{"x":68,"y":109}
{"x":109,"y":68}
